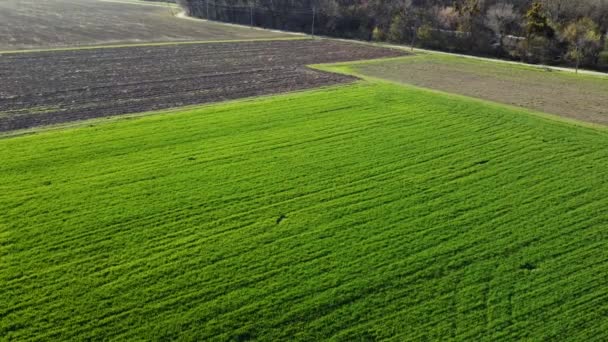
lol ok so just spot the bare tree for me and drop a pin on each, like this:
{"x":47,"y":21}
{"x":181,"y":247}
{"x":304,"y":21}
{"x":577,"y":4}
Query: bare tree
{"x":499,"y":18}
{"x":447,"y":17}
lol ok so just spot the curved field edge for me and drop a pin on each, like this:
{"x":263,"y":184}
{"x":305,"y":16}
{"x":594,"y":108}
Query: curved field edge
{"x":365,"y":211}
{"x":345,"y":68}
{"x":578,"y":97}
{"x":162,"y":112}
{"x":351,"y":69}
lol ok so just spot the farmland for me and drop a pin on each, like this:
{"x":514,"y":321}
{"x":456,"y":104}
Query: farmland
{"x":36,"y":24}
{"x":247,"y":190}
{"x":43,"y":88}
{"x":579,"y":97}
{"x":357,"y":212}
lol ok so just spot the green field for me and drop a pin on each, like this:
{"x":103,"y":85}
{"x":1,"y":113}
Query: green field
{"x":358,"y":212}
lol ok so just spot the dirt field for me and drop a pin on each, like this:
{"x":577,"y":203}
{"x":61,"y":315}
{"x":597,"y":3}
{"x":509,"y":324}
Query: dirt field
{"x":45,"y":88}
{"x":580,"y":97}
{"x":29,"y":24}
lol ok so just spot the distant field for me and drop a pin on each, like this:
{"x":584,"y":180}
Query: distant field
{"x":580,"y":97}
{"x":358,"y":212}
{"x":35,"y":24}
{"x":53,"y":87}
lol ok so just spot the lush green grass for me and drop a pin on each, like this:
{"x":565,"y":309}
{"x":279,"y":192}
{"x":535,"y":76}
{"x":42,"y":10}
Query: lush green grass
{"x":359,"y":212}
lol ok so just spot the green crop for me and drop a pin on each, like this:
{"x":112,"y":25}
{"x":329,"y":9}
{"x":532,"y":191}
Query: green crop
{"x":351,"y":213}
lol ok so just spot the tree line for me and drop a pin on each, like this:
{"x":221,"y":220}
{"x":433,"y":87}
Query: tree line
{"x":555,"y":32}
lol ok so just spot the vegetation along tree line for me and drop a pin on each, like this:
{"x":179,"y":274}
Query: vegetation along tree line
{"x":535,"y":31}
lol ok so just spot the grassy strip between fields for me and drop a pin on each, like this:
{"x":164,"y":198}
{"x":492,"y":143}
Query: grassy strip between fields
{"x":360,"y":212}
{"x":130,"y":45}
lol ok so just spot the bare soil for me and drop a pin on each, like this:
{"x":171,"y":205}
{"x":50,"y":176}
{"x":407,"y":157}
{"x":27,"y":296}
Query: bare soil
{"x":43,"y":88}
{"x":579,"y":97}
{"x":38,"y":24}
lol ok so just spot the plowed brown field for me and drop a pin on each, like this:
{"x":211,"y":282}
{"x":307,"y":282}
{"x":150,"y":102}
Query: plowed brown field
{"x":36,"y":24}
{"x":42,"y":88}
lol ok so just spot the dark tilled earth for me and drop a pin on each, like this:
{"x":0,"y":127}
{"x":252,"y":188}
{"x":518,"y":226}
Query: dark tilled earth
{"x":44,"y":88}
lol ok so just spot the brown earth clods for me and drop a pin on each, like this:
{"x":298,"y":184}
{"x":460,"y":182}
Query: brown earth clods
{"x":44,"y":88}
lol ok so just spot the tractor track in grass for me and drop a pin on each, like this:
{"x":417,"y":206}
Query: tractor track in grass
{"x":53,"y":87}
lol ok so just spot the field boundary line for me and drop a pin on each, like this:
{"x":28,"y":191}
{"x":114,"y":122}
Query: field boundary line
{"x":151,"y":44}
{"x":144,"y":3}
{"x":522,"y":66}
{"x":167,"y":111}
{"x":343,"y":68}
{"x":419,"y":51}
{"x":346,"y":68}
{"x":184,"y":16}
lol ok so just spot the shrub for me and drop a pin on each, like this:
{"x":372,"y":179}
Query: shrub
{"x":425,"y":32}
{"x":396,"y":32}
{"x":378,"y":34}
